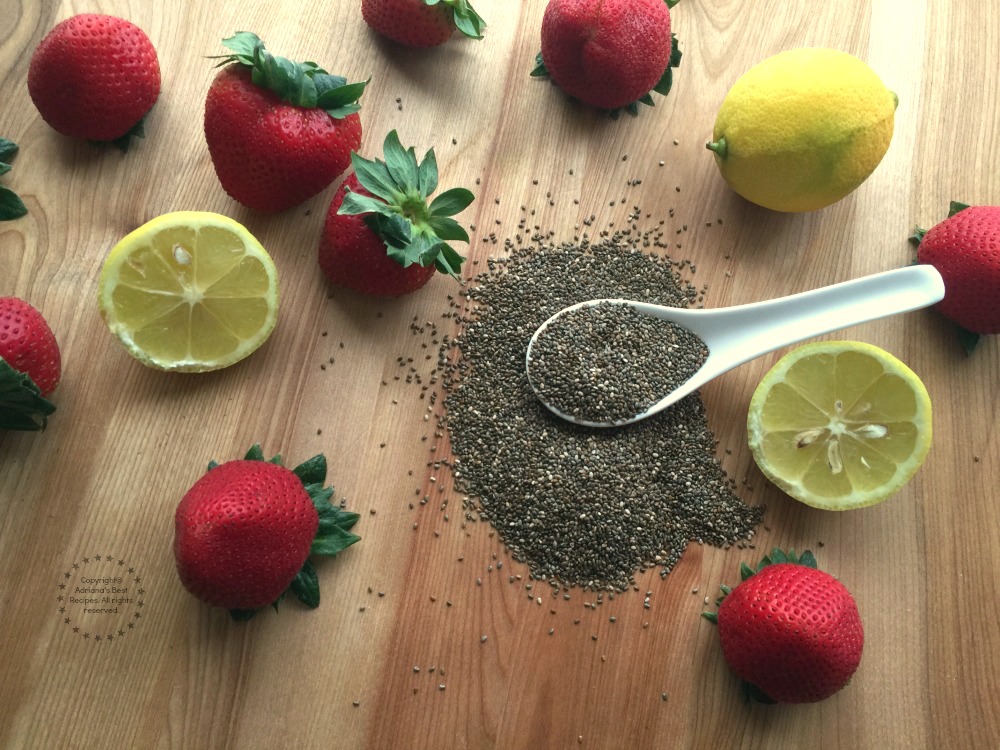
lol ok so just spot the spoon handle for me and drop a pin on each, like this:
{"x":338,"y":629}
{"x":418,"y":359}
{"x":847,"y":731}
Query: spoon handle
{"x":788,"y":320}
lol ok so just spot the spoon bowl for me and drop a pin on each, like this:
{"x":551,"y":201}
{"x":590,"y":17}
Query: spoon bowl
{"x":735,"y":335}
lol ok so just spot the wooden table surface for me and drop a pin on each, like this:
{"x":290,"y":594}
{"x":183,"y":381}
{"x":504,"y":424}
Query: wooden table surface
{"x":101,"y":483}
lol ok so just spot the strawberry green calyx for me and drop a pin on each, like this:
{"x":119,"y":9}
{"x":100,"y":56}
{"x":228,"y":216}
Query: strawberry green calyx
{"x":776,"y":557}
{"x":22,"y":406}
{"x":300,"y":84}
{"x":953,"y":208}
{"x":465,"y":17}
{"x":398,"y":212}
{"x":124,"y":142}
{"x":11,"y":205}
{"x":332,"y":536}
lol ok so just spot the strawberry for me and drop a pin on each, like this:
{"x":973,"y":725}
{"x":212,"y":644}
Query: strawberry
{"x":245,"y":530}
{"x":30,"y":366}
{"x":422,"y":23}
{"x":965,"y":249}
{"x":95,"y":77}
{"x":791,"y":632}
{"x":381,"y":237}
{"x":609,"y":54}
{"x":278,"y":131}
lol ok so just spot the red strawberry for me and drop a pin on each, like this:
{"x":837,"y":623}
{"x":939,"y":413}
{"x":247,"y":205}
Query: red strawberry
{"x":30,"y":366}
{"x":352,"y":255}
{"x":278,"y":132}
{"x":95,"y":77}
{"x":790,"y":631}
{"x":610,"y":54}
{"x":422,"y":23}
{"x":965,"y":249}
{"x":381,"y":237}
{"x":245,"y":530}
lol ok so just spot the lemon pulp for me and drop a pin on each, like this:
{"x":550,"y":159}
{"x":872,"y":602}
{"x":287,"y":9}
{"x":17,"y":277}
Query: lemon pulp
{"x":189,"y":291}
{"x":839,"y":424}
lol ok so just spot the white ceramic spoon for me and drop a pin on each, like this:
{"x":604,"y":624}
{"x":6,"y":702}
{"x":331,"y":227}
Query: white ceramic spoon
{"x":735,"y":335}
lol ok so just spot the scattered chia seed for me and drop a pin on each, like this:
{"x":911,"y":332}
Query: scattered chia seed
{"x":587,"y":507}
{"x":607,"y":362}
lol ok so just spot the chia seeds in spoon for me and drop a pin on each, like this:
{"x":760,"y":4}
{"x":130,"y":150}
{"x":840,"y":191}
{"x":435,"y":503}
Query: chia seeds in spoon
{"x":608,"y":362}
{"x":581,"y":506}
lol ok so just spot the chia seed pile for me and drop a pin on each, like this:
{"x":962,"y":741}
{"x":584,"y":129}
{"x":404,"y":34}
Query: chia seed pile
{"x":580,"y":506}
{"x":608,"y":362}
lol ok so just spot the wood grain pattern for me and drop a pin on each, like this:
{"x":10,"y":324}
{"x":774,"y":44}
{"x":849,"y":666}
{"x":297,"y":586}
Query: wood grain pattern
{"x":126,"y":441}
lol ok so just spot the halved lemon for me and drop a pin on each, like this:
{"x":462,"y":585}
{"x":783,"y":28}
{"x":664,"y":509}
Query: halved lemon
{"x":189,"y":291}
{"x":839,"y":424}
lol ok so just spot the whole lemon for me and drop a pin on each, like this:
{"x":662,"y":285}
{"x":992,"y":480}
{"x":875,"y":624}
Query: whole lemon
{"x":803,"y":129}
